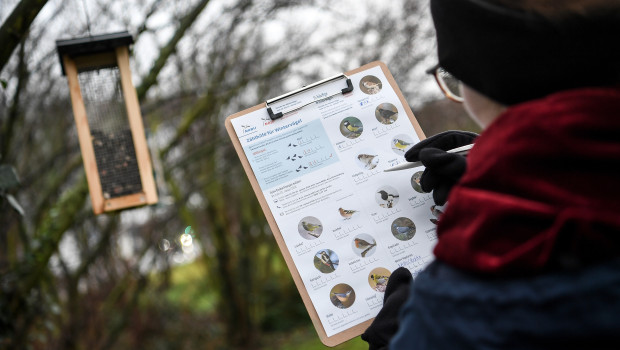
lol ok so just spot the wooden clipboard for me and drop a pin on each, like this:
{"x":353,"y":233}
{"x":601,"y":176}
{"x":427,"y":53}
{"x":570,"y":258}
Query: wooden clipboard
{"x":359,"y":328}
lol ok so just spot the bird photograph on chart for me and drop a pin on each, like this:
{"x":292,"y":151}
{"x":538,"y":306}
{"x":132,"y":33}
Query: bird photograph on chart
{"x":342,"y":295}
{"x":351,"y":127}
{"x":403,"y":229}
{"x":436,"y":213}
{"x":401,"y":144}
{"x":367,"y":160}
{"x":415,"y":181}
{"x":364,"y":245}
{"x":310,"y":227}
{"x":370,"y":85}
{"x":326,"y":261}
{"x":378,"y":278}
{"x":386,"y":113}
{"x":387,"y":197}
{"x":347,"y":213}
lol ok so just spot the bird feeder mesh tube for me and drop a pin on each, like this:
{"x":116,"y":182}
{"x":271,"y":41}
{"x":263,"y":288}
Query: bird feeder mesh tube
{"x":112,"y":140}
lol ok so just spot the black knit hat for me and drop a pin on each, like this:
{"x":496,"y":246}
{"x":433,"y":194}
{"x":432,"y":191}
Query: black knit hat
{"x":514,"y":56}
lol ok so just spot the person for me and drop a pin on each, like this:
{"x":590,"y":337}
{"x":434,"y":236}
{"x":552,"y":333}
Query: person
{"x":528,"y":249}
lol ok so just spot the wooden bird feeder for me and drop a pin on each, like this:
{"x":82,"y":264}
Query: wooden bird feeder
{"x":108,"y":119}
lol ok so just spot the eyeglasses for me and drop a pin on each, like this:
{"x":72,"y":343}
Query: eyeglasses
{"x":449,"y":85}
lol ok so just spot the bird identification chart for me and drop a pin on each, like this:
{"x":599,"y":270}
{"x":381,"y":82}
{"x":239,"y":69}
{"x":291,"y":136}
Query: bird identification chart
{"x":342,"y":223}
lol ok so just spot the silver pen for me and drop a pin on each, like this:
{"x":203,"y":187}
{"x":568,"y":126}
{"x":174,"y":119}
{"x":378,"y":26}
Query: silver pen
{"x":463,"y":150}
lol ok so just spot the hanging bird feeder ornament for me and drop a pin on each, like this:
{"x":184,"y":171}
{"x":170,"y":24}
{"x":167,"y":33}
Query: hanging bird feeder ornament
{"x":108,"y":119}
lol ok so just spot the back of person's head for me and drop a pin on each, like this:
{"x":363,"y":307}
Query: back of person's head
{"x":558,"y":10}
{"x":519,"y":50}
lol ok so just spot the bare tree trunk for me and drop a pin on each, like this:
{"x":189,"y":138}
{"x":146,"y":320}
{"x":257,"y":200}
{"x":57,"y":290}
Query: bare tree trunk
{"x":6,"y":132}
{"x":16,"y":26}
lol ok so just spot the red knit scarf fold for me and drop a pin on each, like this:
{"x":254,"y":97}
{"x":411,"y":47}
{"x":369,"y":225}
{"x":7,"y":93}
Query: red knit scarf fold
{"x":542,"y":187}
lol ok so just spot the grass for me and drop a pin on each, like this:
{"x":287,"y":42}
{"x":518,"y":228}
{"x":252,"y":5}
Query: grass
{"x":187,"y":291}
{"x":307,"y":339}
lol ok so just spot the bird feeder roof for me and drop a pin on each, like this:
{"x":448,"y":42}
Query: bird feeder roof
{"x":91,"y":45}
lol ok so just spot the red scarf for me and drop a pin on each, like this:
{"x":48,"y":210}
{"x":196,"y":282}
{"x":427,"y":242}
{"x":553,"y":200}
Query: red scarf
{"x":542,"y":187}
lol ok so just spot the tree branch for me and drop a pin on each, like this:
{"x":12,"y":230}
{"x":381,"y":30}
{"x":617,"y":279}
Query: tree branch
{"x":16,"y":26}
{"x":169,"y":49}
{"x":14,"y":110}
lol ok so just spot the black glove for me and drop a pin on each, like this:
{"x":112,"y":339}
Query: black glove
{"x":443,"y":169}
{"x":385,"y":325}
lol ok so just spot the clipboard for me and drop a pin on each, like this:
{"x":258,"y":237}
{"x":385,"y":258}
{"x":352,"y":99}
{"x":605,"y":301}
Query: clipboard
{"x":278,"y":110}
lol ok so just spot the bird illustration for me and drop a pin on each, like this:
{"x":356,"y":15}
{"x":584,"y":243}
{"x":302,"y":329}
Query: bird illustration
{"x":363,"y":244}
{"x":387,"y":196}
{"x":379,"y":279}
{"x":346,"y":213}
{"x":401,"y":145}
{"x":310,"y":228}
{"x":373,"y":88}
{"x":416,"y":182}
{"x":356,"y":129}
{"x":436,"y":212}
{"x":403,"y":230}
{"x":325,"y":259}
{"x":294,"y":157}
{"x":417,"y":177}
{"x":387,"y":115}
{"x":369,"y":161}
{"x":342,"y":297}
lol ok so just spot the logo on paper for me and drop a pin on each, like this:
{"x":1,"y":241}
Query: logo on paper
{"x":266,"y":121}
{"x":248,"y":129}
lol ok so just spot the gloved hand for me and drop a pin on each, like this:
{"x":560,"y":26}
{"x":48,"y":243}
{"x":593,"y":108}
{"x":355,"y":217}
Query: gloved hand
{"x":443,"y":169}
{"x":385,"y":325}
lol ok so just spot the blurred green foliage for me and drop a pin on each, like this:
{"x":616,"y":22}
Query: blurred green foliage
{"x":188,"y":289}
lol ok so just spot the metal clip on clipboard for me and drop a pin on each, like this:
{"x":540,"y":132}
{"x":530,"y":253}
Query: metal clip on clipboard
{"x":278,"y":115}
